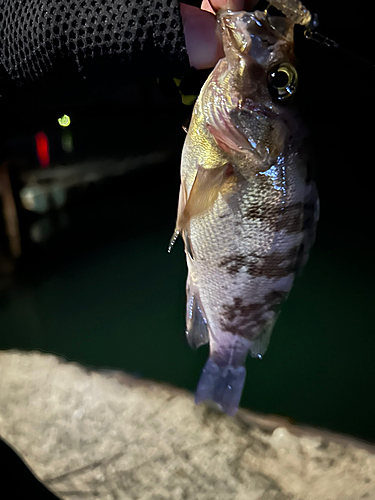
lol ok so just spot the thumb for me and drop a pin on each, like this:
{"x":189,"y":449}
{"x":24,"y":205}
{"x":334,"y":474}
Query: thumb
{"x":202,"y":41}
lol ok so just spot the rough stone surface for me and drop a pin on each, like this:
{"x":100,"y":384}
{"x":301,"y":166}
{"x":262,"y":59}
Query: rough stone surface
{"x":92,"y":434}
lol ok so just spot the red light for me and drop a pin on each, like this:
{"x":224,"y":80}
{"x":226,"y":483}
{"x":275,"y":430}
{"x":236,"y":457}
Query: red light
{"x":42,"y":149}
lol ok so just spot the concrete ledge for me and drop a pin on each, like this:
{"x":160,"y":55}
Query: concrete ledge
{"x":95,"y":434}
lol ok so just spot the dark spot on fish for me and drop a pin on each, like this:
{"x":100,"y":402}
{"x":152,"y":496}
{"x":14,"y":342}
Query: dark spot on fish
{"x":246,"y":329}
{"x":273,"y":265}
{"x":238,"y":308}
{"x":233,"y":263}
{"x":248,"y":320}
{"x":289,"y":217}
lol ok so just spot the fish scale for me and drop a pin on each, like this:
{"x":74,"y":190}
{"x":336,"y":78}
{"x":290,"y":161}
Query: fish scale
{"x":246,"y":211}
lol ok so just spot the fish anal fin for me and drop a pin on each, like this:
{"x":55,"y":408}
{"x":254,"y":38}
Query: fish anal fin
{"x":203,"y":194}
{"x":259,"y":346}
{"x":196,"y":322}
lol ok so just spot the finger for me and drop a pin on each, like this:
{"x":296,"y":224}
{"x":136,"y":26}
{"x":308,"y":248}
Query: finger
{"x":202,"y":42}
{"x":214,"y":5}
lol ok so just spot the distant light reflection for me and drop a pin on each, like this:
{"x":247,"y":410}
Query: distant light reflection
{"x":64,"y":121}
{"x":42,"y":149}
{"x":67,"y":141}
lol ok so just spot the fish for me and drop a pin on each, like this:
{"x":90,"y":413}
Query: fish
{"x":248,"y":207}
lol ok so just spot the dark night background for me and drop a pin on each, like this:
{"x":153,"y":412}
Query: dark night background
{"x":96,"y":285}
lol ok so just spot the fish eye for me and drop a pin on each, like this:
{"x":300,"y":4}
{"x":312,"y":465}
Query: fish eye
{"x":282,"y":80}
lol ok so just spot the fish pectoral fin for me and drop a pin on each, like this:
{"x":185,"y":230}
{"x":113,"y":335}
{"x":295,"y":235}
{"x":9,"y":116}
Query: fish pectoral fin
{"x":203,"y":194}
{"x":196,"y":323}
{"x":228,"y":138}
{"x":182,"y":199}
{"x":187,"y":241}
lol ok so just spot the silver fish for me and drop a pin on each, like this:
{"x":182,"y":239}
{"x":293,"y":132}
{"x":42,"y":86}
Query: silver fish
{"x":247,"y":211}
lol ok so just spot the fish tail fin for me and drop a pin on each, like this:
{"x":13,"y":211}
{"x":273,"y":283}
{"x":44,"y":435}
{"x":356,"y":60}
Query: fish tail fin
{"x":222,"y":384}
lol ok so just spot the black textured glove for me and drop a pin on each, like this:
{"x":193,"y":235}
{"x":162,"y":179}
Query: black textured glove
{"x":141,"y":36}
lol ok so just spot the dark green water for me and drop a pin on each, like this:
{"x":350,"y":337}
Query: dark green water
{"x":106,"y":293}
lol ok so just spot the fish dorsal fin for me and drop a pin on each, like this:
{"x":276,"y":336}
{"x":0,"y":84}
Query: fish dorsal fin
{"x":202,"y":196}
{"x":196,"y":323}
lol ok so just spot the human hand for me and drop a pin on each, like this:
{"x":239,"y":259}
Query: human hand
{"x":202,"y":41}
